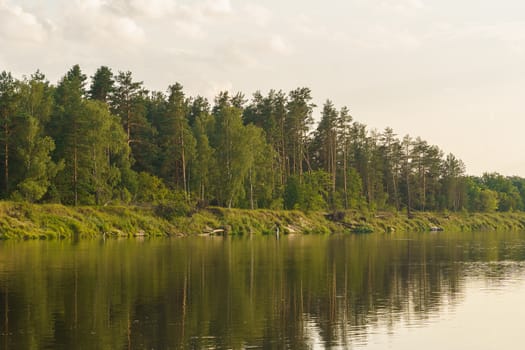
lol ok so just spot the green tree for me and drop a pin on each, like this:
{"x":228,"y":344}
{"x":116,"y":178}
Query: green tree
{"x":66,"y":129}
{"x":407,"y":168}
{"x":178,"y":142}
{"x":392,"y":153}
{"x":234,"y":144}
{"x":101,"y":84}
{"x":105,"y":154}
{"x":204,"y":163}
{"x":260,"y":180}
{"x":310,"y":194}
{"x":128,"y":102}
{"x":297,"y":125}
{"x":90,"y":141}
{"x":344,"y":134}
{"x":508,"y":195}
{"x":427,"y":164}
{"x":151,"y":189}
{"x":325,"y":142}
{"x":269,"y":113}
{"x":453,"y":184}
{"x":9,"y":100}
{"x":488,"y":200}
{"x":197,"y":106}
{"x":34,"y":168}
{"x":39,"y":169}
{"x":37,"y":98}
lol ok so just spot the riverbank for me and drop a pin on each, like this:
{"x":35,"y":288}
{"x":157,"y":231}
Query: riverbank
{"x":53,"y":221}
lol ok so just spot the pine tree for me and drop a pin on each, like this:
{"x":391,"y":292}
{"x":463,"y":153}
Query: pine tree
{"x":453,"y":172}
{"x":102,"y":84}
{"x":9,"y":97}
{"x":66,"y":129}
{"x":297,"y":125}
{"x":344,"y":133}
{"x":128,"y":102}
{"x":178,"y":142}
{"x":325,"y":143}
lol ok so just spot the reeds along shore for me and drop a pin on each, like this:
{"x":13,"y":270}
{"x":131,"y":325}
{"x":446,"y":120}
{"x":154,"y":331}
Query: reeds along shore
{"x":53,"y":221}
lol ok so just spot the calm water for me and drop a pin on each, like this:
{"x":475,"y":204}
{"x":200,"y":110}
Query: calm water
{"x":413,"y":291}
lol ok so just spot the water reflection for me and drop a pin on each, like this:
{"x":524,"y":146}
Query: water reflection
{"x":240,"y":293}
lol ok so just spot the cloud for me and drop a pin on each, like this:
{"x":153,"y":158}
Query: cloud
{"x":278,"y":45}
{"x":16,"y":24}
{"x":398,"y":7}
{"x":237,"y":54}
{"x":190,"y":19}
{"x":404,"y":7}
{"x":127,"y":29}
{"x":311,"y":29}
{"x":153,"y":8}
{"x":217,"y":7}
{"x":384,"y":38}
{"x":510,"y":35}
{"x":260,"y":15}
{"x":361,"y":34}
{"x":251,"y":53}
{"x":213,"y":88}
{"x":94,"y":22}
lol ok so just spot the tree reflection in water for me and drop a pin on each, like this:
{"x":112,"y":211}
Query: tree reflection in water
{"x":238,"y":292}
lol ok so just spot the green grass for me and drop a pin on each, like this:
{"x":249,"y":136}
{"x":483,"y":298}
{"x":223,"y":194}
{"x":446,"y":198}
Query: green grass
{"x":53,"y":221}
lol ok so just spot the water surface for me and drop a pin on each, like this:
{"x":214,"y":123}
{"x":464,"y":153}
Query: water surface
{"x":399,"y":291}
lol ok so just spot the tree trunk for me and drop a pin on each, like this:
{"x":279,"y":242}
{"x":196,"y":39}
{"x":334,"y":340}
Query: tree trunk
{"x":251,"y":191}
{"x":183,"y":159}
{"x":424,"y":189}
{"x":128,"y":125}
{"x":409,"y":204}
{"x":75,"y":166}
{"x":394,"y":181}
{"x":345,"y":180}
{"x":283,"y":155}
{"x":95,"y":178}
{"x":6,"y":157}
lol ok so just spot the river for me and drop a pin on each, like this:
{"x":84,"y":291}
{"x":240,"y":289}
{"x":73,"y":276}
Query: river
{"x":378,"y":291}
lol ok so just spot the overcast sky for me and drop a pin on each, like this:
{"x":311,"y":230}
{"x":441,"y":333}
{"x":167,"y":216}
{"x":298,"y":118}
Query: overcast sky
{"x":452,"y":72}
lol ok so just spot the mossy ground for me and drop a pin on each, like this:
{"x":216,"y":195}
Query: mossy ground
{"x":48,"y":221}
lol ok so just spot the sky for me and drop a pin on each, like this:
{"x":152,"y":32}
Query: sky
{"x":450,"y":72}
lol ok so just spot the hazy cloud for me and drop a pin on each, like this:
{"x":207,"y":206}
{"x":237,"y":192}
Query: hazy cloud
{"x":258,"y":13}
{"x":399,"y":7}
{"x":213,"y":88}
{"x":406,"y":7}
{"x":382,"y":37}
{"x":511,"y":34}
{"x":251,"y":53}
{"x":91,"y":23}
{"x":16,"y":24}
{"x":217,"y":7}
{"x":143,"y":8}
{"x":311,"y":29}
{"x":278,"y":45}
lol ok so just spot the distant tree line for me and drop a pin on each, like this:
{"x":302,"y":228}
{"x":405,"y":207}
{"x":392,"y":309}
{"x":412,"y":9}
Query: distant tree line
{"x":116,"y":142}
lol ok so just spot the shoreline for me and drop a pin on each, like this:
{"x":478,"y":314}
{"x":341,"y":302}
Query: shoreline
{"x":54,"y":221}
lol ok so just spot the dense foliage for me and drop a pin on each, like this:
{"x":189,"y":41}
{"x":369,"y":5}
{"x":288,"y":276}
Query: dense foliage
{"x":114,"y":141}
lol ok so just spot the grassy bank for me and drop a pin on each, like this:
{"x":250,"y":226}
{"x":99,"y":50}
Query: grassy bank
{"x":23,"y":220}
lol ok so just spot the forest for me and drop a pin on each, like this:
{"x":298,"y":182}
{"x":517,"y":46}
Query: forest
{"x":108,"y":140}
